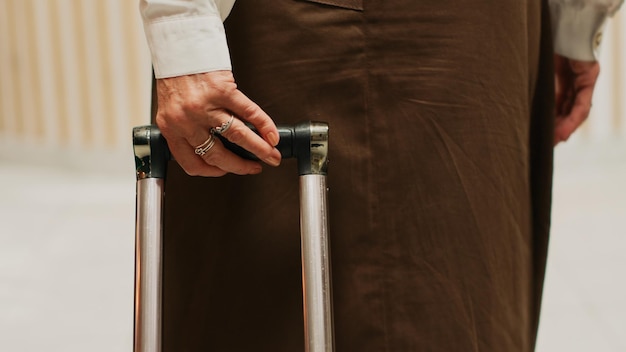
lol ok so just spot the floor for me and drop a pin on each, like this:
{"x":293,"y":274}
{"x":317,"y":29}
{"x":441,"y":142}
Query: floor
{"x":66,"y":256}
{"x":584,"y":305}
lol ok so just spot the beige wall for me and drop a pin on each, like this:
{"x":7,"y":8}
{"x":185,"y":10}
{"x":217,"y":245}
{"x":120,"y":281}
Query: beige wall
{"x":608,"y":116}
{"x":75,"y":76}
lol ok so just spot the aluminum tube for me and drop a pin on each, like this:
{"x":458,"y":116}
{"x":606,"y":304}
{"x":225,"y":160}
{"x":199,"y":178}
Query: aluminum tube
{"x":148,"y":265}
{"x":318,"y":319}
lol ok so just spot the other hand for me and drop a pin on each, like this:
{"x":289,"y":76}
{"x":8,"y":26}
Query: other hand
{"x":575,"y":81}
{"x":189,"y":106}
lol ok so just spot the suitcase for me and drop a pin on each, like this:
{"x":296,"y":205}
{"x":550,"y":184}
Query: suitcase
{"x":308,"y":142}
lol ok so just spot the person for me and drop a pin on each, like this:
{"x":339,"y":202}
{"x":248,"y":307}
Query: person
{"x":443,"y":117}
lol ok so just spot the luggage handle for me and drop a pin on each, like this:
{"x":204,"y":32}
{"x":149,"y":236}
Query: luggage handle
{"x":306,"y":141}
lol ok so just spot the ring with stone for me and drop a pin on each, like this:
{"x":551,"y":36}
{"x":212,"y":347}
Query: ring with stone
{"x":224,"y":127}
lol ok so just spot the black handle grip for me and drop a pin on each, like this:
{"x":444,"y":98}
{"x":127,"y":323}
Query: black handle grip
{"x":285,"y":145}
{"x":306,"y":141}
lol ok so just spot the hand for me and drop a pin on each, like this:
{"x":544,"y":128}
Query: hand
{"x":189,"y":106}
{"x":575,"y":81}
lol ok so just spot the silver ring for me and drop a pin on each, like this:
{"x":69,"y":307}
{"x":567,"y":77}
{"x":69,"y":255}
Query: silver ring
{"x":206,"y":146}
{"x":224,"y":127}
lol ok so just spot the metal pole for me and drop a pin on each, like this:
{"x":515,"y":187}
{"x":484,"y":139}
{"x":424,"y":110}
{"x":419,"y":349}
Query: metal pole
{"x":151,"y":156}
{"x":311,"y":148}
{"x":318,"y":319}
{"x":148,"y":265}
{"x":306,"y":141}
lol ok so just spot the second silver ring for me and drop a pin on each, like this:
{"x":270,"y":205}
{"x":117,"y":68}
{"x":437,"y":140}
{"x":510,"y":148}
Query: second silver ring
{"x":224,"y":127}
{"x":206,"y":146}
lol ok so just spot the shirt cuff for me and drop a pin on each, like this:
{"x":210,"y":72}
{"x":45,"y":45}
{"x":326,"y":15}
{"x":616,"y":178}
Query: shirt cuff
{"x":577,"y":29}
{"x":183,"y":46}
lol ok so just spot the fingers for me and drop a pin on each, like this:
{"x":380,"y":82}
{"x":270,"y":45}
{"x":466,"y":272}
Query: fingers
{"x":190,"y":106}
{"x":214,"y":162}
{"x":240,"y":134}
{"x":261,"y":145}
{"x":183,"y":139}
{"x":248,"y":111}
{"x":223,"y":159}
{"x":237,"y":133}
{"x":191,"y":163}
{"x":575,"y":82}
{"x":564,"y":85}
{"x":559,"y":82}
{"x":567,"y":124}
{"x":229,"y":162}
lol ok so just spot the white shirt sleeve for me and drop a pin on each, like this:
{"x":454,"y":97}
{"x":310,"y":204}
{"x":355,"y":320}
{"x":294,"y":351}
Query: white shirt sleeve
{"x":577,"y":26}
{"x":186,"y":36}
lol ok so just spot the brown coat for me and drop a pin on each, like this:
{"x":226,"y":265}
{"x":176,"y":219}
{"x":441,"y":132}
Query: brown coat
{"x":440,"y":176}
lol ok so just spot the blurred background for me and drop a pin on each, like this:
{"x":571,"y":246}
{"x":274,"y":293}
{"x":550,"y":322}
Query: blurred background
{"x":75,"y":78}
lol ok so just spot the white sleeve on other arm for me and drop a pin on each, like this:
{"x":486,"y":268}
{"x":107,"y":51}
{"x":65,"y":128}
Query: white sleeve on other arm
{"x":577,"y":26}
{"x":186,"y":36}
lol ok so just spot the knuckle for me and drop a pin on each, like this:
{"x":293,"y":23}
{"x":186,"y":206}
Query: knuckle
{"x":168,"y":119}
{"x":213,"y":158}
{"x":252,"y":111}
{"x":164,"y":125}
{"x":161,"y":121}
{"x":220,"y":173}
{"x":225,"y":89}
{"x":236,"y":135}
{"x":240,"y":171}
{"x":194,"y":102}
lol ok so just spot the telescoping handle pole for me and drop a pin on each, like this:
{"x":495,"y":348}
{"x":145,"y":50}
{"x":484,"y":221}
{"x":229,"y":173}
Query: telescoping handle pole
{"x":151,"y":156}
{"x":316,"y":279}
{"x":308,"y":142}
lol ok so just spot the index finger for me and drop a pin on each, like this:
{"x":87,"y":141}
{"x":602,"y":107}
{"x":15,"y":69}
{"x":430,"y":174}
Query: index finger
{"x":244,"y":137}
{"x":248,"y":111}
{"x":576,"y":116}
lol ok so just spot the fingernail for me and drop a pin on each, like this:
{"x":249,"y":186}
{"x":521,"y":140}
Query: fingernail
{"x":256,"y":170}
{"x":273,"y":138}
{"x":273,"y":160}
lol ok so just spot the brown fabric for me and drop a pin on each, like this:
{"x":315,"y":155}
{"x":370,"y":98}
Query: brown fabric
{"x":440,"y":176}
{"x":349,"y":4}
